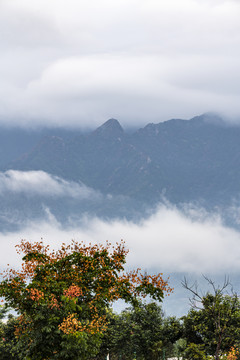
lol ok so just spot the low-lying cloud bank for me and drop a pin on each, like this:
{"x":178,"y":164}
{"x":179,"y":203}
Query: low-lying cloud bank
{"x":34,"y":183}
{"x":168,"y":241}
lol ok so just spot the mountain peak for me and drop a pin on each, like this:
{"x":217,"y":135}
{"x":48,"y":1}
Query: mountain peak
{"x":209,"y":118}
{"x":110,"y":127}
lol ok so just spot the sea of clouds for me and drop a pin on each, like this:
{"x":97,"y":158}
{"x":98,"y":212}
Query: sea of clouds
{"x":187,"y":241}
{"x":168,"y":239}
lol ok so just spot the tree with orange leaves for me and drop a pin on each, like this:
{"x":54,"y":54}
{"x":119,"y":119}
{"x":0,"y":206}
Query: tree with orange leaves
{"x":62,"y":296}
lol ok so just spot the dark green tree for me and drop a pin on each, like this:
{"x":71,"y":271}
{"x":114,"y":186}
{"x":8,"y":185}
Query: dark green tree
{"x":142,"y":332}
{"x":172,"y":332}
{"x":8,"y":340}
{"x":195,"y":352}
{"x":213,"y":323}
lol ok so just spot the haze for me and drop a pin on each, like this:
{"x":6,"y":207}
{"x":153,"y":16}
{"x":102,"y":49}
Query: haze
{"x":81,"y":62}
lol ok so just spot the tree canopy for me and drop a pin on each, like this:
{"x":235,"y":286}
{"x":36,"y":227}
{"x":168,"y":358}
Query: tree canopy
{"x":62,"y":296}
{"x":142,"y":332}
{"x":212,"y":326}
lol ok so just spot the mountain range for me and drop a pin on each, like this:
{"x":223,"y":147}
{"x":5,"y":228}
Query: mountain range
{"x":179,"y":161}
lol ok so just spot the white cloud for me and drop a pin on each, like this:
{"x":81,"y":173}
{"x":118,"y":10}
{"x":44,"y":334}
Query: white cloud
{"x":173,"y":242}
{"x":77,"y":62}
{"x":40,"y":183}
{"x":169,"y":241}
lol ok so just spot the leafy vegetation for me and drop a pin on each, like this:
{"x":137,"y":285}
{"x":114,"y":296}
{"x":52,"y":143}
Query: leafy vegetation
{"x":213,"y":324}
{"x":62,"y":296}
{"x":142,"y":332}
{"x":63,"y":302}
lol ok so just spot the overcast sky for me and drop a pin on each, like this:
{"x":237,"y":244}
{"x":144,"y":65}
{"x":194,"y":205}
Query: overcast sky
{"x":80,"y":62}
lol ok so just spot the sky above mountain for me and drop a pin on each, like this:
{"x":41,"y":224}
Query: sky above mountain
{"x":81,"y":62}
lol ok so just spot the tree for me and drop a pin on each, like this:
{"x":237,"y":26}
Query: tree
{"x":137,"y":332}
{"x":8,"y":342}
{"x":195,"y":352}
{"x":172,"y":332}
{"x":141,"y":331}
{"x":213,"y":323}
{"x":62,"y":296}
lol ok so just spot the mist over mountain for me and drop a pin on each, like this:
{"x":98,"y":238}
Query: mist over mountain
{"x":112,"y":173}
{"x":195,"y":160}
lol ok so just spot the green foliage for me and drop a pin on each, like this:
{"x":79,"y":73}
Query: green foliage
{"x":8,"y":341}
{"x":63,"y":296}
{"x":142,"y":332}
{"x":213,"y":323}
{"x":179,"y":348}
{"x":195,"y":352}
{"x":172,"y":332}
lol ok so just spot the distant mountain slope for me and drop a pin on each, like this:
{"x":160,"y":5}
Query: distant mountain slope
{"x":184,"y":160}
